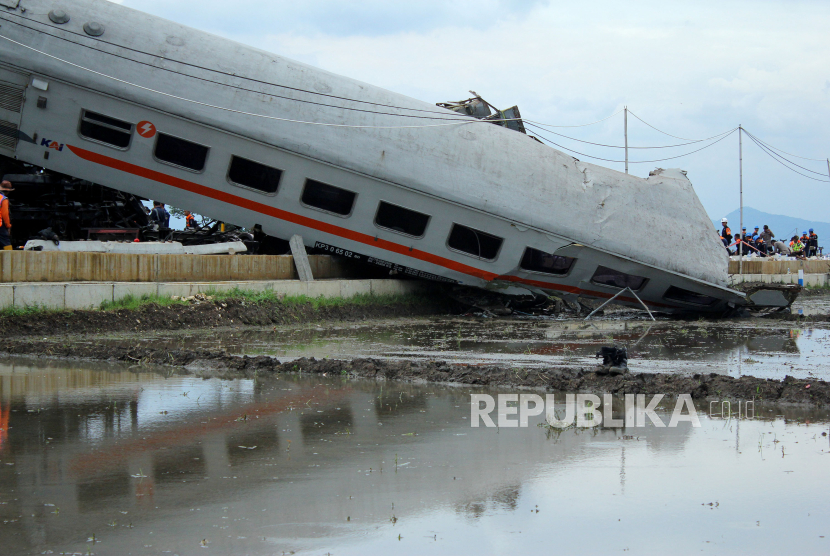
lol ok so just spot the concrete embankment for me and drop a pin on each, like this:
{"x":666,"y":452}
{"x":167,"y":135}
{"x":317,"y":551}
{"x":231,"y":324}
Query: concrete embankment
{"x":82,"y":280}
{"x":90,"y":295}
{"x":55,"y":266}
{"x":771,"y":271}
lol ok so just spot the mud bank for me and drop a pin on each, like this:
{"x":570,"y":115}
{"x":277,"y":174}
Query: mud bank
{"x":207,"y":363}
{"x":216,"y":313}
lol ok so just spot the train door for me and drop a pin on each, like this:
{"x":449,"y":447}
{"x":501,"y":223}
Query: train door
{"x":12,"y":92}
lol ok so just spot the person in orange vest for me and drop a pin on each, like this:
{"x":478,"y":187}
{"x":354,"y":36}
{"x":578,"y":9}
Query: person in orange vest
{"x":726,"y":234}
{"x":189,"y":220}
{"x":5,"y":219}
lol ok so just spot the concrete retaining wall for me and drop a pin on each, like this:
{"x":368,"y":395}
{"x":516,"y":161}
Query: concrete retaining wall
{"x":813,"y":280}
{"x":55,"y":266}
{"x":90,"y":295}
{"x":766,"y":266}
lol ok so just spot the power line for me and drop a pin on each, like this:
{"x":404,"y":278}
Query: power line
{"x":663,"y":132}
{"x":795,"y":155}
{"x":776,"y":157}
{"x":784,"y":158}
{"x":621,"y":146}
{"x":726,"y":134}
{"x":581,"y":125}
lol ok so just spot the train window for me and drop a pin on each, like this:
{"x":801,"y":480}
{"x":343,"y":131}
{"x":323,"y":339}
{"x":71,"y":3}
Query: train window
{"x":685,"y":296}
{"x":401,"y":220}
{"x":474,"y":242}
{"x":328,"y":198}
{"x":104,"y":129}
{"x":539,"y":261}
{"x":254,"y":175}
{"x":179,"y":152}
{"x":610,"y":277}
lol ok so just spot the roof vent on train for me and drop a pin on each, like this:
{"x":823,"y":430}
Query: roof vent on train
{"x":59,"y":16}
{"x":93,"y":29}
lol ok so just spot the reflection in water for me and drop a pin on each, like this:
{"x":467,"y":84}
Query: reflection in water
{"x":337,"y":420}
{"x":148,"y":464}
{"x":4,"y":423}
{"x":178,"y":464}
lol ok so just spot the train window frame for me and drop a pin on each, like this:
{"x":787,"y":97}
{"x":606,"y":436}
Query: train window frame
{"x":643,"y":285}
{"x":250,"y":187}
{"x":83,"y":118}
{"x":666,"y":296}
{"x":338,"y":214}
{"x":173,"y":164}
{"x":477,"y":257}
{"x":542,"y":272}
{"x":426,"y":224}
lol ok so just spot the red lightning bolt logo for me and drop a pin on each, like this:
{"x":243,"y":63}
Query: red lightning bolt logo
{"x":146,"y":129}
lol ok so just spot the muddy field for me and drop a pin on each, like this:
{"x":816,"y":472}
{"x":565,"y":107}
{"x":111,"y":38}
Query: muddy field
{"x":94,"y":335}
{"x":210,"y":314}
{"x":232,"y":427}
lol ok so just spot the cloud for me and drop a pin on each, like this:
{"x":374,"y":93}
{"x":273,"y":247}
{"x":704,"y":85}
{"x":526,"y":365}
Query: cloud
{"x":693,"y":70}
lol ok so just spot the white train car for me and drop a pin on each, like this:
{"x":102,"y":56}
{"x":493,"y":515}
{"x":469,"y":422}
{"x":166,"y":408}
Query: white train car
{"x":101,"y":92}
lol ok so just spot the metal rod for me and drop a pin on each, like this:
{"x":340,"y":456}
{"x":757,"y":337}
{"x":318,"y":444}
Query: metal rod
{"x":615,"y":297}
{"x":741,"y":180}
{"x":625,"y":113}
{"x":641,"y":303}
{"x":828,"y":167}
{"x":604,"y":304}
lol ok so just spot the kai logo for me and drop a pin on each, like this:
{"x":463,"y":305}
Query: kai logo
{"x":146,"y":129}
{"x":51,"y":144}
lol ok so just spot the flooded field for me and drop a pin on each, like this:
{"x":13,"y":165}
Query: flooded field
{"x":97,"y":459}
{"x":762,"y":349}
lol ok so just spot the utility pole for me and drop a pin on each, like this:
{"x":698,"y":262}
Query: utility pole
{"x":828,"y":167}
{"x":625,"y":116}
{"x":741,"y":181}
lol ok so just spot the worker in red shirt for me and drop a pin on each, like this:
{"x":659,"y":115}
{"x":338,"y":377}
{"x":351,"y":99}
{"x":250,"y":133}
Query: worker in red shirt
{"x":5,"y":219}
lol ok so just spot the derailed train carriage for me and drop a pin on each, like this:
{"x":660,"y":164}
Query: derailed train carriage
{"x":114,"y":96}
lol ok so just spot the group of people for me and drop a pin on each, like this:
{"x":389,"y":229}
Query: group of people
{"x":160,"y":216}
{"x":764,"y":244}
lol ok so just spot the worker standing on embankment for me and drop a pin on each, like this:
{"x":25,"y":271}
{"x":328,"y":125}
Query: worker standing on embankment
{"x":5,"y":219}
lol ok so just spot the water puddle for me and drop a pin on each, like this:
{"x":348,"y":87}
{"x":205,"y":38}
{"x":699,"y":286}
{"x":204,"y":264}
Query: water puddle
{"x":103,"y":460}
{"x":813,"y":304}
{"x":735,"y":348}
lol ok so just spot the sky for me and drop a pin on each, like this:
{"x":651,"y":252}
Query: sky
{"x":691,"y":69}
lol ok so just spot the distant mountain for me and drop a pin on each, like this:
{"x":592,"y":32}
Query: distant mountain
{"x":782,"y":226}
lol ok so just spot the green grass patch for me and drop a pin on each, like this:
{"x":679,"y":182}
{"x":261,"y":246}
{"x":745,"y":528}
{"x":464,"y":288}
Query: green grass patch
{"x":132,"y":302}
{"x":269,"y":297}
{"x":26,"y":311}
{"x":259,"y":297}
